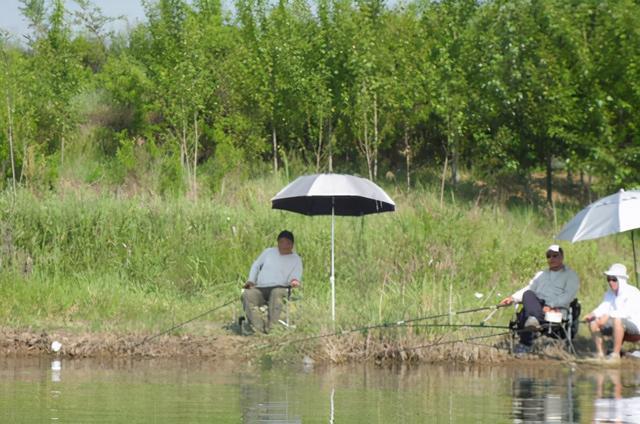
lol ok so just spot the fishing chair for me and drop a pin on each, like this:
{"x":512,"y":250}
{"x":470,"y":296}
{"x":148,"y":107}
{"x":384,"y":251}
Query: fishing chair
{"x":565,"y":330}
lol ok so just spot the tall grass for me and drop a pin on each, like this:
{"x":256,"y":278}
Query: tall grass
{"x":87,"y":261}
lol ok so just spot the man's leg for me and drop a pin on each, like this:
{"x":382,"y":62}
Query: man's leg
{"x":252,"y":299}
{"x":596,"y":327}
{"x":532,"y":307}
{"x":618,"y":335}
{"x":275,"y":305}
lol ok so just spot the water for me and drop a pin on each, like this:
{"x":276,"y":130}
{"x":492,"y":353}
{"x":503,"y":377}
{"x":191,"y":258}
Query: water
{"x":171,"y":391}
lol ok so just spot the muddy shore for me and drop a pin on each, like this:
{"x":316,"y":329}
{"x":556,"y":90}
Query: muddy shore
{"x":232,"y":347}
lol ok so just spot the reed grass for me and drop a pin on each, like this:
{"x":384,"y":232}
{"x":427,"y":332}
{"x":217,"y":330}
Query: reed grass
{"x":103,"y":262}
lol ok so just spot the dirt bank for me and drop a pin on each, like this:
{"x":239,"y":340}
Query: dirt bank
{"x":83,"y":345}
{"x":225,"y":344}
{"x":232,"y":347}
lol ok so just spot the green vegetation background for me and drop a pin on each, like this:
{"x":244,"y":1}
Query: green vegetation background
{"x":87,"y":261}
{"x":136,"y":168}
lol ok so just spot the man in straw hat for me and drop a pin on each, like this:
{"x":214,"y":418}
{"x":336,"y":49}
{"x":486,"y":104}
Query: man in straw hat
{"x":618,"y":314}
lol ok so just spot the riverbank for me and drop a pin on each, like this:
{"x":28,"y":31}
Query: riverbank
{"x":231,"y":347}
{"x":106,"y":270}
{"x":227,"y":347}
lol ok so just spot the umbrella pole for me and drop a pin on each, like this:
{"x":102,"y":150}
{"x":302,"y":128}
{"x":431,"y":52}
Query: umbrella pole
{"x":332,"y":279}
{"x":635,"y":260}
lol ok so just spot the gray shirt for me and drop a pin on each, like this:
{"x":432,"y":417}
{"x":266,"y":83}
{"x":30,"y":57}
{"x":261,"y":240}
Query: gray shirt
{"x":273,"y":269}
{"x":556,"y":288}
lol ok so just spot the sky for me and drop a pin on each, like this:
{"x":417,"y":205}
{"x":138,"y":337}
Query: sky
{"x":11,"y":18}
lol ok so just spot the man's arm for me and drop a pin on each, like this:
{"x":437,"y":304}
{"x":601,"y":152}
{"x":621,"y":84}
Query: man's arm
{"x":517,"y":296}
{"x":296,"y":274}
{"x":255,"y":269}
{"x":604,"y":308}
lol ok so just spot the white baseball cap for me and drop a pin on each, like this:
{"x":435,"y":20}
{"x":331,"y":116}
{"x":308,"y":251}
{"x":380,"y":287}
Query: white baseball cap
{"x":554,"y":248}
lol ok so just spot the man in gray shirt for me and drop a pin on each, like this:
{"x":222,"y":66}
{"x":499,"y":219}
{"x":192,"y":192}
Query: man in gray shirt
{"x":272,"y":275}
{"x":549,"y":290}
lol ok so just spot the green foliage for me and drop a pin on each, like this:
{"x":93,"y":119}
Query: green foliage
{"x":503,"y":89}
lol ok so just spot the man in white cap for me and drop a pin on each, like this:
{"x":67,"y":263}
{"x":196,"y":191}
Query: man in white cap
{"x":552,"y":289}
{"x":618,"y":314}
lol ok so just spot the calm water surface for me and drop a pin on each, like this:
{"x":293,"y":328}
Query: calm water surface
{"x":115,"y":391}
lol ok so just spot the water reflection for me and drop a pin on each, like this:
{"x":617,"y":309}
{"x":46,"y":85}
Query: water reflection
{"x":265,"y":402}
{"x":41,"y":390}
{"x":544,"y":399}
{"x":611,"y":406}
{"x":56,"y":370}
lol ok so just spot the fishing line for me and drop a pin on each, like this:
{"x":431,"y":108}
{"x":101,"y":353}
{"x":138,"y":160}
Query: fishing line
{"x":465,"y":340}
{"x":504,"y":327}
{"x":401,"y":323}
{"x":147,"y":339}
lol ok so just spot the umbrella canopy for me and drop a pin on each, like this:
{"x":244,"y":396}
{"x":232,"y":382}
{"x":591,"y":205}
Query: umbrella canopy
{"x":613,"y":214}
{"x":610,"y":215}
{"x":324,"y":194}
{"x":333,"y":194}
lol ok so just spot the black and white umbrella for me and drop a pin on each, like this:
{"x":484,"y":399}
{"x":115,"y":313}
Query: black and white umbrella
{"x":333,"y":194}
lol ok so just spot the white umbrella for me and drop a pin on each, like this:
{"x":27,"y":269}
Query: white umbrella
{"x":613,"y":214}
{"x":333,"y":194}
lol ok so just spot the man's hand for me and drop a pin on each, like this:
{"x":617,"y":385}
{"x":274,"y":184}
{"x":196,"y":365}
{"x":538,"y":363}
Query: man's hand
{"x":249,"y":284}
{"x":507,"y":300}
{"x":590,"y":317}
{"x":295,"y":283}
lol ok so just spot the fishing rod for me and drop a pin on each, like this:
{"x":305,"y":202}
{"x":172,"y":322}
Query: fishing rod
{"x":465,"y":340}
{"x":389,"y":324}
{"x":504,"y":327}
{"x":147,"y":339}
{"x":453,"y":313}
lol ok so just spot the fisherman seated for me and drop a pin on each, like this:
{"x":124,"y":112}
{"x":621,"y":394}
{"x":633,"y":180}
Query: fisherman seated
{"x":272,"y":275}
{"x":562,"y":325}
{"x":551,"y":290}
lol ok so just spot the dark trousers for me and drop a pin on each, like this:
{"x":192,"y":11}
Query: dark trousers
{"x":531,"y":307}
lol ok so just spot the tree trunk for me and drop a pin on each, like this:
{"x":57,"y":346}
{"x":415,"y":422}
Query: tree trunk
{"x":25,"y":150}
{"x":274,"y":141}
{"x":444,"y":174}
{"x":367,"y":147}
{"x":549,"y":182}
{"x":319,"y":147}
{"x":184,"y":156}
{"x":451,"y":143}
{"x":454,"y":162}
{"x":194,"y":184}
{"x":375,"y":136}
{"x":61,"y":151}
{"x":330,"y":137}
{"x":11,"y":153}
{"x":407,"y":155}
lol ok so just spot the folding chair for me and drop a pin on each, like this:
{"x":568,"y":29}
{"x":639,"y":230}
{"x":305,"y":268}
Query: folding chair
{"x":565,"y":330}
